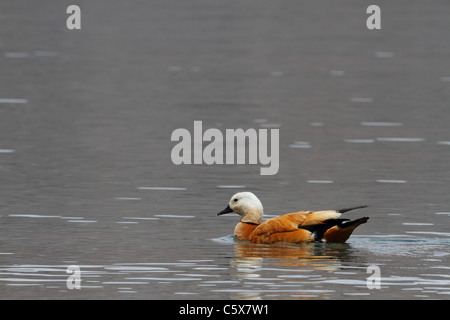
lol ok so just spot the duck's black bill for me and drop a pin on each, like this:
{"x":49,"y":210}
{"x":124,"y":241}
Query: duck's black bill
{"x":224,"y":211}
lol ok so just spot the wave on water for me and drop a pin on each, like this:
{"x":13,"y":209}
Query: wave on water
{"x":400,"y":245}
{"x":225,"y":239}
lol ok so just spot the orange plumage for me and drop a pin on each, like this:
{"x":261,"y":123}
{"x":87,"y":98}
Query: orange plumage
{"x":296,"y":227}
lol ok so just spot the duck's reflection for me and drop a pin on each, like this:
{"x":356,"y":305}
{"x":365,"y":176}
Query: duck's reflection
{"x":286,"y":269}
{"x":294,"y":255}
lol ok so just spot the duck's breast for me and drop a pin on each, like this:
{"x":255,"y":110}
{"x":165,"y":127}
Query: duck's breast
{"x":243,"y":231}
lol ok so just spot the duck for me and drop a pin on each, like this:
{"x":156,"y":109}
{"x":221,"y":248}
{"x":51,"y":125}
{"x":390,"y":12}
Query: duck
{"x":297,"y":227}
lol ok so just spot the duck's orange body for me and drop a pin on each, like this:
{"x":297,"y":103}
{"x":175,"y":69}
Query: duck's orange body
{"x":244,"y":231}
{"x":296,"y":227}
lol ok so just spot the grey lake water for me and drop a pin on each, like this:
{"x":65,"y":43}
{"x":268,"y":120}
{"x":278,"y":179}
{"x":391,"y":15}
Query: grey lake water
{"x":87,"y":179}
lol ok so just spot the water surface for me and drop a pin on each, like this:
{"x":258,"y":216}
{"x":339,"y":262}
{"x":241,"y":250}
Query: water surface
{"x":86,"y":176}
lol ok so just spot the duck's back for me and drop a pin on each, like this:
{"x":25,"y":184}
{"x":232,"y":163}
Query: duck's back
{"x":285,"y":223}
{"x":284,"y":228}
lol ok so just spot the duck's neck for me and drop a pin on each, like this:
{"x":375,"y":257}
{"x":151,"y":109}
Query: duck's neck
{"x":252,"y":216}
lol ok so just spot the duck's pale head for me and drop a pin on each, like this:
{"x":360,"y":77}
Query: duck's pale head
{"x":247,"y":205}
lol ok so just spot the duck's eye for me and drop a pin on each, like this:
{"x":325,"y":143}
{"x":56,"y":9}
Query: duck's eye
{"x":235,"y":199}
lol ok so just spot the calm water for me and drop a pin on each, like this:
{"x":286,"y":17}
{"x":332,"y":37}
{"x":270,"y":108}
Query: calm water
{"x":87,"y":179}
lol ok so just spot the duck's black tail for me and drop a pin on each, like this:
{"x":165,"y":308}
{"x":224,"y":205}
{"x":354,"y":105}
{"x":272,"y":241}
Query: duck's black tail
{"x":350,"y":209}
{"x":354,"y":223}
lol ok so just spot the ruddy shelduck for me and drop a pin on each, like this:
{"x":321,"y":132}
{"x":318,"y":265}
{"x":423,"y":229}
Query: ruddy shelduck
{"x":296,"y":227}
